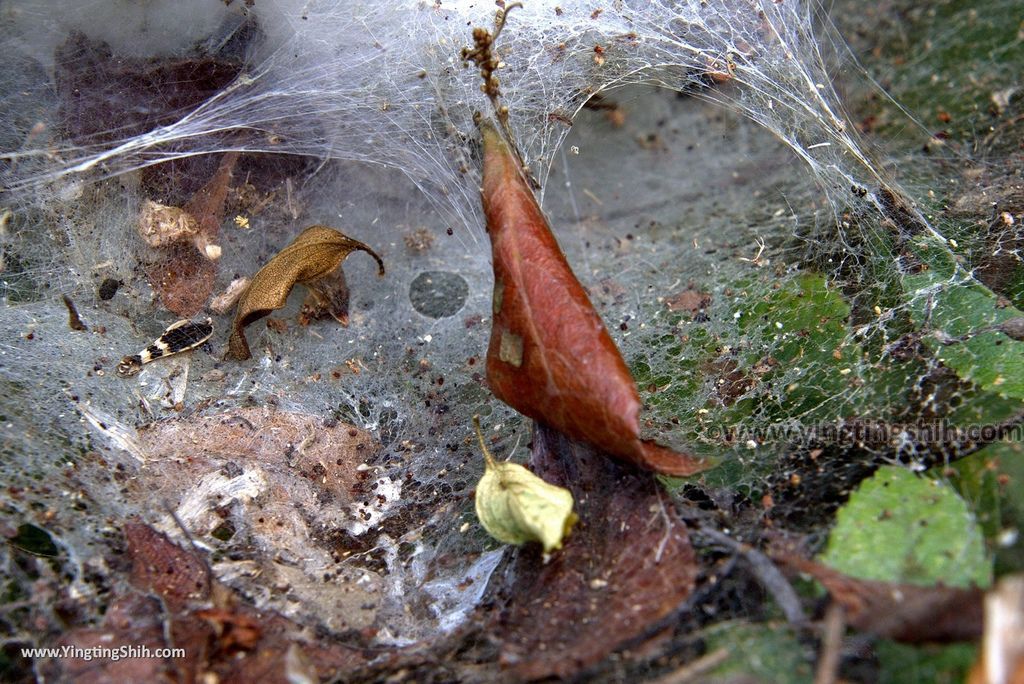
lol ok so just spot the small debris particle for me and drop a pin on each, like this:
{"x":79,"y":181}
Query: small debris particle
{"x":1001,"y":99}
{"x":108,"y":288}
{"x":161,"y":225}
{"x":242,"y":221}
{"x":689,"y":300}
{"x":616,"y":116}
{"x":418,"y":241}
{"x":224,"y":302}
{"x":74,"y":322}
{"x":1013,"y":328}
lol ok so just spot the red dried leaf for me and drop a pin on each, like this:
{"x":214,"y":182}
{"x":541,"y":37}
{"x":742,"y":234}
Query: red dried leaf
{"x":208,"y":204}
{"x":905,"y":612}
{"x":550,"y":356}
{"x":134,"y":621}
{"x":625,"y":568}
{"x":184,"y":279}
{"x":161,"y":566}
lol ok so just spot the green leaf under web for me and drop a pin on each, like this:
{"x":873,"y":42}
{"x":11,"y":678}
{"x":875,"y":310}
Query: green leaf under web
{"x":902,"y":527}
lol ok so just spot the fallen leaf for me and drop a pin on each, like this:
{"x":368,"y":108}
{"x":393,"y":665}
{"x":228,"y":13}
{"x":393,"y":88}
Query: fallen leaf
{"x":134,"y":621}
{"x":625,"y":569}
{"x":313,"y":255}
{"x":515,"y":506}
{"x":184,"y":275}
{"x":161,"y":566}
{"x":207,"y":206}
{"x":909,"y":613}
{"x":550,"y":356}
{"x":183,"y":279}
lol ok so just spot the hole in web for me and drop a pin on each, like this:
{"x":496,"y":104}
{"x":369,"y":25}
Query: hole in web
{"x":438,"y":294}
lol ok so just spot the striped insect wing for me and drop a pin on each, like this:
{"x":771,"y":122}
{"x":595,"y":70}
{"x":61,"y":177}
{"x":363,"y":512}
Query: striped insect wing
{"x":188,"y":336}
{"x":179,"y":337}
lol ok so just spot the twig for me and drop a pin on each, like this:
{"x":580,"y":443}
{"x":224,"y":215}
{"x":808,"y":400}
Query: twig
{"x":831,"y":643}
{"x":482,"y":54}
{"x":193,"y":546}
{"x":695,"y":668}
{"x":767,"y":573}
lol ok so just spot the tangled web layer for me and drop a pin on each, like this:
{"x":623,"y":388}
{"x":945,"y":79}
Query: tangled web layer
{"x":384,"y":84}
{"x":372,"y":92}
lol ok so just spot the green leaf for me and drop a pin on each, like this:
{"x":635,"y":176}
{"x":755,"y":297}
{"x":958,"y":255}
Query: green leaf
{"x":804,"y":324}
{"x":939,"y":664}
{"x":764,"y":652}
{"x":35,"y":540}
{"x":901,"y":527}
{"x":976,"y":480}
{"x":951,"y":307}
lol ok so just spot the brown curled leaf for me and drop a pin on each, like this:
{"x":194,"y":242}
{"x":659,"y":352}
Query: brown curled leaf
{"x":313,"y":255}
{"x":550,"y":356}
{"x":904,"y":612}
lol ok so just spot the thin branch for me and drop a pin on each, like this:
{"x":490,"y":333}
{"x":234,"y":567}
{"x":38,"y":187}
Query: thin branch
{"x":767,"y":573}
{"x":831,"y":645}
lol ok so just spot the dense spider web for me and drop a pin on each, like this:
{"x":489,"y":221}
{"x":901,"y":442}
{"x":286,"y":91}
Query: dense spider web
{"x":760,"y":279}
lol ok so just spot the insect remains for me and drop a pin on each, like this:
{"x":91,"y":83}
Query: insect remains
{"x":181,"y":336}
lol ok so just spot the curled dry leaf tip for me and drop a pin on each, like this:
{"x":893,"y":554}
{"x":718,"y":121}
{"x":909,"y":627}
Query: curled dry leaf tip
{"x":550,"y":356}
{"x":314,"y":255}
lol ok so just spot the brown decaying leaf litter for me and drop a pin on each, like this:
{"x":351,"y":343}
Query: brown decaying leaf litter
{"x":628,"y":565}
{"x":184,"y":240}
{"x":312,"y":256}
{"x":172,"y":601}
{"x":905,"y":612}
{"x":293,"y":491}
{"x":550,"y":356}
